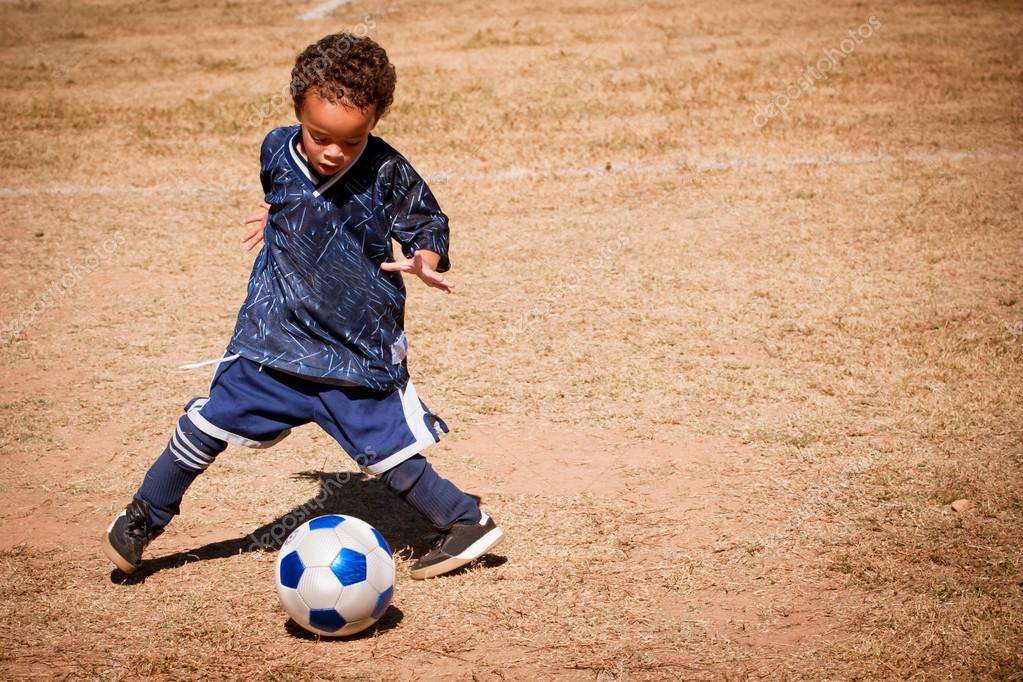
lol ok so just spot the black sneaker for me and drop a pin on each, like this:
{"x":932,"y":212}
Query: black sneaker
{"x":127,"y":535}
{"x":460,"y":545}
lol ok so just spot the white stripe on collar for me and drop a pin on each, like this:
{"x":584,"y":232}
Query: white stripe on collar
{"x":304,"y":165}
{"x":337,"y":176}
{"x":292,"y":147}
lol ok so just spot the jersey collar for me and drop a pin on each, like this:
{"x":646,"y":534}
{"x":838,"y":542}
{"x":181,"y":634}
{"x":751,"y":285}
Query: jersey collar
{"x":310,"y":177}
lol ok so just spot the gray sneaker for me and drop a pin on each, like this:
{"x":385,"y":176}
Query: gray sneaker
{"x":463,"y":543}
{"x":128,"y":535}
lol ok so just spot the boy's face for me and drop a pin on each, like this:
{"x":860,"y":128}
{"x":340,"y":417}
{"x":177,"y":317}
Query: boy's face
{"x":333,"y":133}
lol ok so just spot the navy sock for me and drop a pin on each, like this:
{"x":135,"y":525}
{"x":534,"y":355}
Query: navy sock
{"x":436,"y":498}
{"x":187,"y":455}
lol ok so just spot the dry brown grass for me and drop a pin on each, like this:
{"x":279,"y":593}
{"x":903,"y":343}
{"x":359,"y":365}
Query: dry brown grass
{"x":723,"y":445}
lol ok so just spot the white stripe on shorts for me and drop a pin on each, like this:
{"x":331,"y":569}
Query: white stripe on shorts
{"x":415,"y":418}
{"x":211,"y":429}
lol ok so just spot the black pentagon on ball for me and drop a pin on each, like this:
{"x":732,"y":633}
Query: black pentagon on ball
{"x":291,"y":570}
{"x":328,"y":620}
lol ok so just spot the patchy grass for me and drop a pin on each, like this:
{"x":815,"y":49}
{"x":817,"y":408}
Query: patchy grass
{"x":721,"y":410}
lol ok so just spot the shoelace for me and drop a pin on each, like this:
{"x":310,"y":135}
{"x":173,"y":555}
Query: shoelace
{"x":138,"y":524}
{"x":437,"y":539}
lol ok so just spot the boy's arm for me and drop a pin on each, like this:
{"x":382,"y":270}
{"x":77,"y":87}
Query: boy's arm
{"x":423,"y":264}
{"x":417,"y":224}
{"x":253,"y":236}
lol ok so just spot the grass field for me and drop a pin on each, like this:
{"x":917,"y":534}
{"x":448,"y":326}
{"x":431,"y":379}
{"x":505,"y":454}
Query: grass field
{"x":736,"y":322}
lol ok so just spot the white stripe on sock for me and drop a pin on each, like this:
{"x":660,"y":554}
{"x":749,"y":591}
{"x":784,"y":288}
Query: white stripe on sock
{"x":183,"y":441}
{"x":184,"y":458}
{"x":187,"y":464}
{"x":178,"y":450}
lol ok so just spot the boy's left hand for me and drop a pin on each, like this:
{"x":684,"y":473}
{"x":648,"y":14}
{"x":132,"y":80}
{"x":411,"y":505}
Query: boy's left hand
{"x":422,"y":265}
{"x":253,"y":236}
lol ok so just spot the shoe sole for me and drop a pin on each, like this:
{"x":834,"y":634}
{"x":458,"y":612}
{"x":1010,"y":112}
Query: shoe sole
{"x":472,"y":552}
{"x":115,"y":556}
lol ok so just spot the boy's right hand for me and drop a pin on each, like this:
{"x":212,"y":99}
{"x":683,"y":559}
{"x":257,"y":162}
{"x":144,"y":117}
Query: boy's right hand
{"x":254,"y":235}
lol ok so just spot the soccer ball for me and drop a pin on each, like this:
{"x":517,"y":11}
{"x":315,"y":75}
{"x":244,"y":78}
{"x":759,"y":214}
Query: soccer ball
{"x":335,"y":575}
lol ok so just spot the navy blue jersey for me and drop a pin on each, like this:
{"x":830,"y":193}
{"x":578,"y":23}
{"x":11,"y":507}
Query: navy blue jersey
{"x":318,"y":304}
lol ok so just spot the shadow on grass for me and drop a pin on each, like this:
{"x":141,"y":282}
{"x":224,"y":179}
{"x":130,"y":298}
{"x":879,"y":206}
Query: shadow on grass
{"x":342,"y":492}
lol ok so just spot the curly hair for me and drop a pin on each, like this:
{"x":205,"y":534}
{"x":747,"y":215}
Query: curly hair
{"x":343,"y":67}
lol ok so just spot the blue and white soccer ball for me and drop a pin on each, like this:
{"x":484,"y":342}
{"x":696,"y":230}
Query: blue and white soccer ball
{"x":335,"y":575}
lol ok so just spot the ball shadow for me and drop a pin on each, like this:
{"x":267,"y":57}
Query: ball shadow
{"x":388,"y":621}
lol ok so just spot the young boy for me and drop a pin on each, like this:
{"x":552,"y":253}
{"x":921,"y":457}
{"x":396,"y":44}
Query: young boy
{"x":320,"y":335}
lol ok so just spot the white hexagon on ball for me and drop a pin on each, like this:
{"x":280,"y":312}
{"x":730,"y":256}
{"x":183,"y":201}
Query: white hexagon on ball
{"x":293,"y":604}
{"x":357,"y":532}
{"x":319,"y":547}
{"x":319,"y":587}
{"x":357,"y":601}
{"x":380,"y":569}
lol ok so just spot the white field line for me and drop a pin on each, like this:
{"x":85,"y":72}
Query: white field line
{"x":322,"y":10}
{"x":682,"y":167}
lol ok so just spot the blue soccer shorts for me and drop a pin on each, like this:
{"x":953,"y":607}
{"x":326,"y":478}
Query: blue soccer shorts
{"x":256,"y":406}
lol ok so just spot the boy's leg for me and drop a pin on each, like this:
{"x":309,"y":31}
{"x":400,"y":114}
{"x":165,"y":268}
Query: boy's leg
{"x":436,"y":498}
{"x":188,"y":453}
{"x":470,"y":532}
{"x":246,"y":407}
{"x":385,"y":433}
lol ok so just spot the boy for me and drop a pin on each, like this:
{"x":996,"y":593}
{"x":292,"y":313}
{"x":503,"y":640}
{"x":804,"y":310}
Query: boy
{"x":320,"y":335}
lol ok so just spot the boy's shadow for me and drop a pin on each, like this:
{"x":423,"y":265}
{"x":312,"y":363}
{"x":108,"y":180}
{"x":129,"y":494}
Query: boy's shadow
{"x":342,"y":492}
